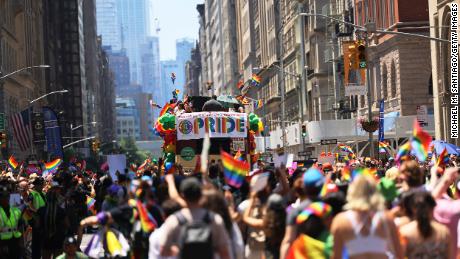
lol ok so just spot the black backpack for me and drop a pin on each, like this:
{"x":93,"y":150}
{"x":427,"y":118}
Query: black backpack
{"x":196,"y":237}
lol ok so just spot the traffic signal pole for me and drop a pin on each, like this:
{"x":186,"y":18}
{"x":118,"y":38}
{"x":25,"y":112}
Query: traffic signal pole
{"x":369,"y":98}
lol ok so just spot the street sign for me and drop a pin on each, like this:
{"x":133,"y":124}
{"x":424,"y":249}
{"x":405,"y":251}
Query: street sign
{"x":304,"y":153}
{"x":352,"y":90}
{"x":2,"y":121}
{"x":328,"y":141}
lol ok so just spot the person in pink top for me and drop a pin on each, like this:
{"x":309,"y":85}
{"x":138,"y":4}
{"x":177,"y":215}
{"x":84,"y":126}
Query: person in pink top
{"x":447,"y":210}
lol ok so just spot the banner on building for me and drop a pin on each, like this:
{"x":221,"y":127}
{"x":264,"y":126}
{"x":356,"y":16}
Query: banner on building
{"x":381,"y":120}
{"x":52,"y":133}
{"x":217,"y":124}
{"x":38,"y":127}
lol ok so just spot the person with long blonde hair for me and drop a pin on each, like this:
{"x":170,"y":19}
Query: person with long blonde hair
{"x":364,"y":230}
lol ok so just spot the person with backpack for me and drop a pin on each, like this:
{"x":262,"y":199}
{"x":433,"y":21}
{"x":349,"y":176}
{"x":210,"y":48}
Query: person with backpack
{"x":194,"y":232}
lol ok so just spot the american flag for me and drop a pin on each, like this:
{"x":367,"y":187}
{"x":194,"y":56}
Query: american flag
{"x":22,"y":128}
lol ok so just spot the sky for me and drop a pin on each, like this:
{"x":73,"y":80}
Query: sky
{"x":177,"y":19}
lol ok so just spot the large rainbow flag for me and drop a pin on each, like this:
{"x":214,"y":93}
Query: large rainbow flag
{"x":235,"y":170}
{"x":420,"y":142}
{"x":306,"y":247}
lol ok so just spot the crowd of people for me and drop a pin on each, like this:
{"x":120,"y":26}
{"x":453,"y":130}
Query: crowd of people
{"x":361,"y":209}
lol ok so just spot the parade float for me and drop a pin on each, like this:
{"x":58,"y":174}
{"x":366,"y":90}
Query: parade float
{"x":183,"y":134}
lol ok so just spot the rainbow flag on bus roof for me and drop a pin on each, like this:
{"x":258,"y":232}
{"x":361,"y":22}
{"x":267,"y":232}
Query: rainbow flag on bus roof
{"x":235,"y":170}
{"x":12,"y":162}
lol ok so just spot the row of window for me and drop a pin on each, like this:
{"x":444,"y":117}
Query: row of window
{"x":380,"y":11}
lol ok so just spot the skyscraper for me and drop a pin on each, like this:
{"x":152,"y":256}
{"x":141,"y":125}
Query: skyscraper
{"x":150,"y":66}
{"x":108,"y":24}
{"x":183,"y":53}
{"x":133,"y":21}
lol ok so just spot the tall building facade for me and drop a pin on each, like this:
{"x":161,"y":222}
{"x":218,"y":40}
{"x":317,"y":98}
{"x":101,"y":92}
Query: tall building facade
{"x":193,"y":73}
{"x":21,"y":46}
{"x":119,"y":64}
{"x":440,"y":22}
{"x":150,"y":66}
{"x":183,"y":53}
{"x":168,"y":67}
{"x":108,"y":24}
{"x":65,"y":53}
{"x":133,"y":18}
{"x":219,"y":28}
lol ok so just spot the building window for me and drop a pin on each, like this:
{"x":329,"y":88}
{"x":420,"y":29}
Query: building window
{"x":362,"y":100}
{"x":384,"y":82}
{"x":393,"y":80}
{"x":391,"y":12}
{"x":430,"y":85}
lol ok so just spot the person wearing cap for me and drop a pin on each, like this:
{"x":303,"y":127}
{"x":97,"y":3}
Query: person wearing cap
{"x":313,"y":181}
{"x":191,"y":192}
{"x":10,"y":221}
{"x":71,"y":250}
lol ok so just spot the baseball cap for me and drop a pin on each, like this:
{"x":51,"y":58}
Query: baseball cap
{"x":313,"y":178}
{"x":388,"y":189}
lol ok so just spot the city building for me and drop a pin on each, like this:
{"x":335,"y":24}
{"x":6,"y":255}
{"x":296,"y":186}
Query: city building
{"x":21,"y":46}
{"x":127,"y":123}
{"x":150,"y":67}
{"x":221,"y":47}
{"x":64,"y":47}
{"x":133,"y":18}
{"x":440,"y":22}
{"x":108,"y":24}
{"x":205,"y":76}
{"x":119,"y":64}
{"x":106,"y":120}
{"x":167,"y":68}
{"x":183,"y":52}
{"x":193,"y":73}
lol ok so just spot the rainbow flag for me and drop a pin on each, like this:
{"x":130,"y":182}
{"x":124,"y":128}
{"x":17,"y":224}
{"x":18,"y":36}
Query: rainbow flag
{"x":148,"y":223}
{"x":235,"y":170}
{"x":240,"y":84}
{"x":90,"y":204}
{"x":420,"y":142}
{"x":52,"y":166}
{"x":443,"y":158}
{"x":258,"y":104}
{"x":346,"y":148}
{"x":383,"y":147}
{"x":346,"y":173}
{"x":403,"y":151}
{"x":166,"y":109}
{"x":306,"y":247}
{"x":364,"y":171}
{"x":12,"y":162}
{"x":255,"y":80}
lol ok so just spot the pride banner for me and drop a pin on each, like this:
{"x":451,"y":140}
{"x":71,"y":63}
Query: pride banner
{"x":217,"y":124}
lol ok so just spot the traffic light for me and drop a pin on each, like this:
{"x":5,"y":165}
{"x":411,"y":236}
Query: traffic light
{"x":95,"y":146}
{"x":361,"y":48}
{"x":353,"y":56}
{"x":3,"y":140}
{"x":304,"y":131}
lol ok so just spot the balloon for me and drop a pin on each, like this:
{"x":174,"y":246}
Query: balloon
{"x":170,"y":157}
{"x":170,"y":148}
{"x":168,"y":166}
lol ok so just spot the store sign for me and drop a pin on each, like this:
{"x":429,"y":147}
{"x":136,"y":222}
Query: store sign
{"x":217,"y":124}
{"x":187,"y":153}
{"x":352,"y":90}
{"x":238,"y":144}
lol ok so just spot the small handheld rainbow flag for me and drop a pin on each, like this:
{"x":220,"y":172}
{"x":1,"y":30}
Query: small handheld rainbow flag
{"x":443,"y":158}
{"x":148,"y":223}
{"x":383,"y":147}
{"x":12,"y":162}
{"x":403,"y":151}
{"x":255,"y":80}
{"x":372,"y":172}
{"x":420,"y":142}
{"x":240,"y":85}
{"x":258,"y":104}
{"x":166,"y":109}
{"x":52,"y":166}
{"x":235,"y":170}
{"x":90,"y":204}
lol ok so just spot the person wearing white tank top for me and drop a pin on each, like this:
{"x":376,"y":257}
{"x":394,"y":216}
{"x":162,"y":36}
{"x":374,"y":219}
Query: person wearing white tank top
{"x":364,"y":230}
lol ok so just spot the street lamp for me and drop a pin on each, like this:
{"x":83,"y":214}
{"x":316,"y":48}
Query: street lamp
{"x":22,"y":69}
{"x":79,"y":126}
{"x":50,"y":93}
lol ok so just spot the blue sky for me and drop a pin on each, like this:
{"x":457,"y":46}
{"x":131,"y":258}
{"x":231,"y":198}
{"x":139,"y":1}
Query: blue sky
{"x":177,"y":19}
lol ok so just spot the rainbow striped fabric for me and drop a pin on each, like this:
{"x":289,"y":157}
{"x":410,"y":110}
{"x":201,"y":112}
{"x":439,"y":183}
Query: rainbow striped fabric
{"x":319,"y":209}
{"x":51,"y":167}
{"x":235,"y":170}
{"x":90,"y":204}
{"x":383,"y":147}
{"x":372,"y":172}
{"x":305,"y":247}
{"x":403,"y":151}
{"x":12,"y":162}
{"x":443,"y":158}
{"x":420,"y":142}
{"x":148,"y":223}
